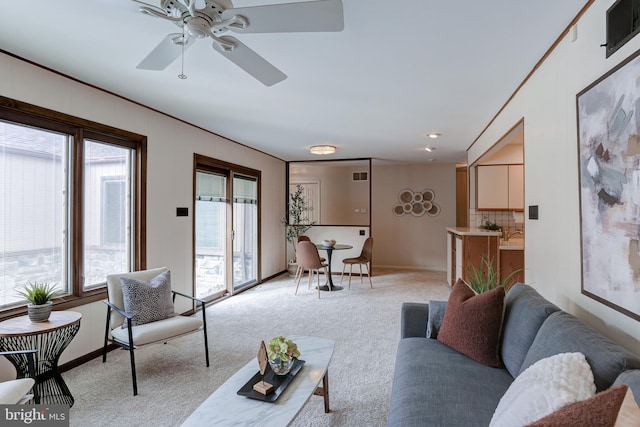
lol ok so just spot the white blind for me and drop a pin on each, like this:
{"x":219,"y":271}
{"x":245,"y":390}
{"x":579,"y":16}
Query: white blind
{"x":245,"y":190}
{"x":210,"y":187}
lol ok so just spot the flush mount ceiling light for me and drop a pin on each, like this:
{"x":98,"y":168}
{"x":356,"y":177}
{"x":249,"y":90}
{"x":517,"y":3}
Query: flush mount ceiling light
{"x":322,"y":149}
{"x":434,"y":135}
{"x":430,"y":149}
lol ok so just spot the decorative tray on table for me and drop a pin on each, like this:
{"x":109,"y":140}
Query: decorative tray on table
{"x":279,"y":382}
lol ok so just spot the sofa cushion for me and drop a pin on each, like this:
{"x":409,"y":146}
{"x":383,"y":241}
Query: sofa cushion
{"x":436,"y":314}
{"x":543,"y":388}
{"x":615,"y":407}
{"x":472,"y":323}
{"x":164,"y":329}
{"x":525,"y":311}
{"x":564,"y":333}
{"x":436,"y":385}
{"x":632,"y":379}
{"x":414,"y":317}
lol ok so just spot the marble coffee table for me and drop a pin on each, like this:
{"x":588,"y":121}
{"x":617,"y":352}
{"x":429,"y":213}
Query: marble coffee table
{"x":226,"y":408}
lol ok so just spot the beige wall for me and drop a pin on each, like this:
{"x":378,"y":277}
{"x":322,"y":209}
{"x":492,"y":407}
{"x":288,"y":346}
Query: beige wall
{"x":171,"y":145}
{"x":409,"y":241}
{"x":548,"y":104}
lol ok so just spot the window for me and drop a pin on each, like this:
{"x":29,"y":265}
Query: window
{"x":72,"y":203}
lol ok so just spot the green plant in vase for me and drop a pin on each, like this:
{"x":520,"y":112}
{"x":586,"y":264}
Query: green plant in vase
{"x":39,"y":295}
{"x":298,"y":222}
{"x":485,"y":277}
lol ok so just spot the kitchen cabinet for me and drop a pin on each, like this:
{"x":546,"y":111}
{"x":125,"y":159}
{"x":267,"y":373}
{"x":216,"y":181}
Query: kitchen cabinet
{"x":512,"y":260}
{"x":500,"y":187}
{"x":516,"y":187}
{"x":465,"y":249}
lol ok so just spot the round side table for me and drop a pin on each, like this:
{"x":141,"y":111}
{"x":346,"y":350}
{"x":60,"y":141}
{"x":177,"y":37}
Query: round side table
{"x":50,"y":338}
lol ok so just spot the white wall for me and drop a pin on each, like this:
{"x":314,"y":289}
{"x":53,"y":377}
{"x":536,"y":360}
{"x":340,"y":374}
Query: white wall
{"x":171,"y":146}
{"x":548,"y":104}
{"x":409,"y":241}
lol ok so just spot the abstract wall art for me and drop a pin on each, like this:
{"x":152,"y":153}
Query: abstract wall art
{"x":416,"y":203}
{"x":609,"y":174}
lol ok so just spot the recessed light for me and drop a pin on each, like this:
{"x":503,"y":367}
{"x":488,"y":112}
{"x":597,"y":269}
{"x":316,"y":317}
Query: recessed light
{"x":430,"y":149}
{"x":434,"y":135}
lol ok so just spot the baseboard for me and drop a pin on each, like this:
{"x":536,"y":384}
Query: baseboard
{"x":404,"y":267}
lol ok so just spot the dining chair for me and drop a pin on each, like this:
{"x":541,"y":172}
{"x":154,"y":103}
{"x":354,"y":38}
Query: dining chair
{"x":363,"y":259}
{"x":300,"y":270}
{"x":308,"y":258}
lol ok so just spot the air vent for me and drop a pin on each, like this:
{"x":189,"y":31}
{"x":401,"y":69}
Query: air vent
{"x":360,"y":176}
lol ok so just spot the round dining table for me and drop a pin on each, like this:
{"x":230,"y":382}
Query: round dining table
{"x":329,"y":286}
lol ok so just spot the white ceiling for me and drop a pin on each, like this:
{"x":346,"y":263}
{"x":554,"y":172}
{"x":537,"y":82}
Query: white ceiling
{"x":399,"y":70}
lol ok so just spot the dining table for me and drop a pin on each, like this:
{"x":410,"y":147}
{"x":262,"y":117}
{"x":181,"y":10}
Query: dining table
{"x":329,"y":286}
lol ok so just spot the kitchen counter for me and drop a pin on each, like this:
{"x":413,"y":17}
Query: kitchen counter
{"x":512,"y":245}
{"x":473,"y":231}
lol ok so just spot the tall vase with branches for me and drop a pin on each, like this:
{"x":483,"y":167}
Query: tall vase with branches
{"x":298,"y":222}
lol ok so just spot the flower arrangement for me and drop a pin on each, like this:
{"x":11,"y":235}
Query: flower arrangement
{"x":282,"y":354}
{"x":280,"y":347}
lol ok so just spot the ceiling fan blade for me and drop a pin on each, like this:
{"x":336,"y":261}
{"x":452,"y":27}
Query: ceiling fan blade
{"x":165,"y":53}
{"x":310,"y":16}
{"x":251,"y":62}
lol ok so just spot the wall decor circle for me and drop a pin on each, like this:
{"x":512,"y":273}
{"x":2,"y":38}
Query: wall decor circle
{"x":416,"y":203}
{"x":406,"y":196}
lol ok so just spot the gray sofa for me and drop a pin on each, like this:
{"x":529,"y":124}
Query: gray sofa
{"x":435,"y":385}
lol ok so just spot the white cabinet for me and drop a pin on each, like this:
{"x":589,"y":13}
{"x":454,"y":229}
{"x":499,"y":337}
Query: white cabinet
{"x":500,"y":187}
{"x":516,"y":187}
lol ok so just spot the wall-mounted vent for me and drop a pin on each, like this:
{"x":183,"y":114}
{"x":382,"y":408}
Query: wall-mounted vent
{"x":360,"y":176}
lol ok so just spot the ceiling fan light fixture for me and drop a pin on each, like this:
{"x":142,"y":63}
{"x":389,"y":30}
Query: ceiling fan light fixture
{"x":322,"y":149}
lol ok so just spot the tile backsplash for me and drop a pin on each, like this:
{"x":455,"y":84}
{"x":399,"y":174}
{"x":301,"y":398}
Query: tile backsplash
{"x":508,"y":220}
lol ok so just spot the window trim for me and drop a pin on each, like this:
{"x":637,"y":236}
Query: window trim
{"x":80,"y":129}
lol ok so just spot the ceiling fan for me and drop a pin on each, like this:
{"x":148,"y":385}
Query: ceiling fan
{"x":216,"y":17}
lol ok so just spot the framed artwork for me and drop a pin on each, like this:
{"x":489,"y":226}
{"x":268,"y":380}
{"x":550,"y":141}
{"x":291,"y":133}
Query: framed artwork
{"x":609,"y":163}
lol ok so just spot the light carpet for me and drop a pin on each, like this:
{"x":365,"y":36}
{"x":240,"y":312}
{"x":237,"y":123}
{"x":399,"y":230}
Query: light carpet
{"x":173,"y":380}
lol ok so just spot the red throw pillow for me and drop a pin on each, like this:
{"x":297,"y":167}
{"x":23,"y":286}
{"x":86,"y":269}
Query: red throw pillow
{"x":611,"y":408}
{"x":472,"y":323}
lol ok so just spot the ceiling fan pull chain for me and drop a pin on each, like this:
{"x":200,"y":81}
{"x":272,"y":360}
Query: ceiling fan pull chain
{"x":182,"y":75}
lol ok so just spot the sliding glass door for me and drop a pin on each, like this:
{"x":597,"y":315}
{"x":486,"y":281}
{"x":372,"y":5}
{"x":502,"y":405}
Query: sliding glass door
{"x":245,"y":231}
{"x":226,"y":228}
{"x":210,"y":235}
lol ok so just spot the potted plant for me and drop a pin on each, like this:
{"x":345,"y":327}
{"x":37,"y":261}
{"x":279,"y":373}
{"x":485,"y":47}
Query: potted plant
{"x":298,"y":222}
{"x":39,"y":295}
{"x":282,"y":353}
{"x":485,"y":277}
